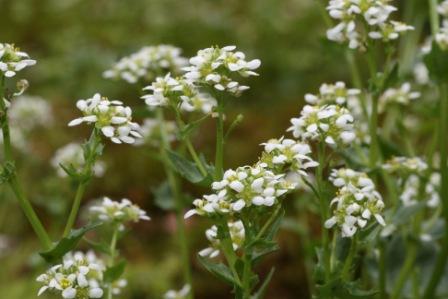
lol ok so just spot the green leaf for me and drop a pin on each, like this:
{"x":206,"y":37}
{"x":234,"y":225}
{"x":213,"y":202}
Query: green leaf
{"x":114,"y":273}
{"x":219,"y":270}
{"x":7,"y":172}
{"x":163,"y":197}
{"x":405,"y":213}
{"x":263,"y":248}
{"x":437,"y":63}
{"x":67,"y":244}
{"x":190,"y":127}
{"x":262,"y":290}
{"x":345,"y":290}
{"x":185,"y":167}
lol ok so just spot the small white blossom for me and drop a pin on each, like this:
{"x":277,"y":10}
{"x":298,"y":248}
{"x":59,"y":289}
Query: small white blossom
{"x":355,"y":203}
{"x":12,"y":60}
{"x":411,"y":190}
{"x":403,"y":96}
{"x":237,"y":235}
{"x":150,"y":130}
{"x":331,"y":123}
{"x":217,"y":67}
{"x":337,"y":93}
{"x":78,"y":277}
{"x":72,"y":154}
{"x":442,"y":36}
{"x":406,"y":165}
{"x":147,"y":64}
{"x":111,"y":117}
{"x":117,"y":212}
{"x":243,"y":188}
{"x":442,"y":9}
{"x":421,"y":73}
{"x":181,"y":294}
{"x":28,"y":112}
{"x":118,"y":286}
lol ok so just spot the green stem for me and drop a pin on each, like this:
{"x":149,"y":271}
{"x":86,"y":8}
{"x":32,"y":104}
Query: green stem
{"x":247,"y":275}
{"x":14,"y":183}
{"x":229,"y":253}
{"x":112,"y":251}
{"x":439,"y":268}
{"x":349,"y":260}
{"x":93,"y":143}
{"x":382,"y":270}
{"x":434,"y":17}
{"x":405,"y":271}
{"x":219,"y":156}
{"x":174,"y":186}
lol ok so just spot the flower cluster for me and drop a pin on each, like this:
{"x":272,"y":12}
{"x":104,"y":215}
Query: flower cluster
{"x":337,"y":93}
{"x":215,"y":66}
{"x":79,"y":276}
{"x":405,"y":165}
{"x":72,"y":154}
{"x":28,"y":112}
{"x":282,"y":155}
{"x":442,"y":35}
{"x":356,"y":201}
{"x":353,"y":14}
{"x":242,"y":188}
{"x":403,"y":96}
{"x":412,"y":188}
{"x":111,"y":117}
{"x":12,"y":60}
{"x":179,"y":92}
{"x":117,"y":212}
{"x":147,"y":64}
{"x":150,"y":130}
{"x":237,"y":234}
{"x":181,"y":294}
{"x":330,"y":123}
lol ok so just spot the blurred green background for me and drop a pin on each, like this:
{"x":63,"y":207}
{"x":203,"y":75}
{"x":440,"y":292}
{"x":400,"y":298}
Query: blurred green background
{"x":74,"y":41}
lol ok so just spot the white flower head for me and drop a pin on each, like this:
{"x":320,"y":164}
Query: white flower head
{"x":180,"y":294}
{"x":117,"y":211}
{"x":355,"y":203}
{"x":150,"y":130}
{"x":330,"y":123}
{"x":247,"y":187}
{"x":28,"y":112}
{"x":12,"y":60}
{"x":111,"y":117}
{"x":337,"y":93}
{"x":148,"y":63}
{"x":406,"y":165}
{"x":442,"y":36}
{"x":72,"y":154}
{"x":403,"y":96}
{"x":79,"y":276}
{"x":218,"y":67}
{"x":237,"y":234}
{"x":412,"y":188}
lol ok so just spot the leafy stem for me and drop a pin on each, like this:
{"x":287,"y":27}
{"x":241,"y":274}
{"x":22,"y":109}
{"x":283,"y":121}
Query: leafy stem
{"x":219,"y":155}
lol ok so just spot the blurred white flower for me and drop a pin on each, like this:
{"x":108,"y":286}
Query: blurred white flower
{"x":331,"y":123}
{"x":406,"y":165}
{"x":442,"y":36}
{"x":79,"y":276}
{"x":442,"y":9}
{"x":411,"y":189}
{"x":421,"y":73}
{"x":217,"y":67}
{"x":181,"y":294}
{"x":117,"y":212}
{"x":337,"y":93}
{"x":150,"y":130}
{"x":72,"y":154}
{"x":237,"y":234}
{"x":28,"y":112}
{"x":111,"y":117}
{"x":355,"y":203}
{"x":148,"y":63}
{"x":403,"y":96}
{"x":12,"y":60}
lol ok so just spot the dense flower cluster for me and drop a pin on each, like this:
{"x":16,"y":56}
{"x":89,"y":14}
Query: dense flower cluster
{"x":179,"y":92}
{"x":282,"y":155}
{"x":353,"y":14}
{"x":412,"y":188}
{"x":216,"y":66}
{"x":403,"y":96}
{"x":242,"y":188}
{"x":111,"y":117}
{"x":72,"y":154}
{"x":12,"y":60}
{"x":117,"y":212}
{"x":337,"y":93}
{"x":237,"y":234}
{"x":356,"y":201}
{"x":147,"y":64}
{"x":150,"y":130}
{"x":79,"y":276}
{"x":330,"y":123}
{"x":181,"y":294}
{"x":405,"y":165}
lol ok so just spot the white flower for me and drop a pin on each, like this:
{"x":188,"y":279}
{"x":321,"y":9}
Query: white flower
{"x":336,"y":93}
{"x":355,"y":203}
{"x":72,"y":154}
{"x":442,"y":36}
{"x":442,"y":9}
{"x":78,"y":277}
{"x":284,"y":155}
{"x":421,"y":73}
{"x":217,"y":67}
{"x":27,"y":112}
{"x":246,"y":187}
{"x":411,"y":189}
{"x":111,"y":117}
{"x":237,"y":234}
{"x":181,"y":294}
{"x":150,"y":130}
{"x":12,"y":60}
{"x":118,"y":286}
{"x":406,"y":165}
{"x":148,"y":63}
{"x":118,"y":212}
{"x":331,"y":123}
{"x":403,"y":96}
